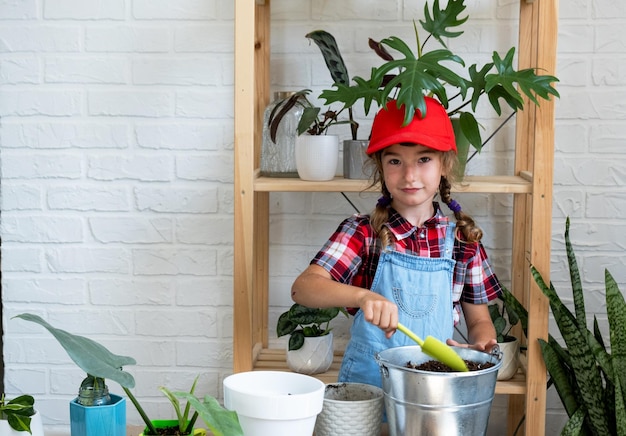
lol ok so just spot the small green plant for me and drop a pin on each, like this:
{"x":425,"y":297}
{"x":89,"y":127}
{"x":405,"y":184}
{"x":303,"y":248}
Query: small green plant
{"x":313,"y":120}
{"x":98,"y":362}
{"x":300,"y":322}
{"x":590,"y":380}
{"x":17,"y":412}
{"x":504,"y":318}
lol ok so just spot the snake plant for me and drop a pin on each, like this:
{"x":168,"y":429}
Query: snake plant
{"x":589,"y":375}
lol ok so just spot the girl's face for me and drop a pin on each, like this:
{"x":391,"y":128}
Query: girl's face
{"x":412,"y":174}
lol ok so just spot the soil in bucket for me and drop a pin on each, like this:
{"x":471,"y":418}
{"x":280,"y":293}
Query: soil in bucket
{"x":436,"y":366}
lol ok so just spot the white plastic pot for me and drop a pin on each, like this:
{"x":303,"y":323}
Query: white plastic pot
{"x":510,"y":359}
{"x":317,"y":157}
{"x":274,"y":402}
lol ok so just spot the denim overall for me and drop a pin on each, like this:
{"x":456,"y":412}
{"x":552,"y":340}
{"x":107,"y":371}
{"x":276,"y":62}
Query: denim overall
{"x":421,"y":287}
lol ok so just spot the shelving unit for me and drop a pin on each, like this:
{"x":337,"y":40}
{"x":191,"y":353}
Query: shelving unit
{"x":530,"y":186}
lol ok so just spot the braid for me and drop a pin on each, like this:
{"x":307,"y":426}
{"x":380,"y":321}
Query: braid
{"x":380,"y":214}
{"x":464,"y":222}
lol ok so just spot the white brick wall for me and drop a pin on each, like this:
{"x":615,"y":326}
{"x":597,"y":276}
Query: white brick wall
{"x":117,"y":169}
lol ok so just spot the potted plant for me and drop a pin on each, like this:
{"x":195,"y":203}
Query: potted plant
{"x":589,"y":375}
{"x":316,"y":152}
{"x":18,"y":416}
{"x":310,"y":346}
{"x":504,"y":318}
{"x":418,"y":73}
{"x":100,"y":364}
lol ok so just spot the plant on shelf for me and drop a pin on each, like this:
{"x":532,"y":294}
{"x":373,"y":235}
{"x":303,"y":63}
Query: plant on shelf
{"x":504,"y":318}
{"x":302,"y":322}
{"x":17,"y":412}
{"x":418,"y":73}
{"x":100,"y":364}
{"x":313,"y":120}
{"x":589,"y":375}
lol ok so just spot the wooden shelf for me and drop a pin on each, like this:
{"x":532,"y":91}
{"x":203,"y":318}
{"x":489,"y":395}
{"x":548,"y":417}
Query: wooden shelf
{"x":272,"y":359}
{"x":531,"y":188}
{"x":485,"y":184}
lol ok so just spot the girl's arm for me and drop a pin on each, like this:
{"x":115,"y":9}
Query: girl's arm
{"x":315,"y":288}
{"x":480,"y":330}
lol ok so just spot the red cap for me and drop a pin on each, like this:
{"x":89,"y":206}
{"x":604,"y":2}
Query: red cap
{"x":432,"y":131}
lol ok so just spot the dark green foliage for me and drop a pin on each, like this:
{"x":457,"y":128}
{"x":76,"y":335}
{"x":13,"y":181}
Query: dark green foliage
{"x":17,"y":412}
{"x":503,"y":316}
{"x":589,"y":380}
{"x":300,"y":322}
{"x":416,"y":73}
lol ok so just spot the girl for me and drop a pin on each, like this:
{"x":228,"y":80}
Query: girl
{"x":405,"y":262}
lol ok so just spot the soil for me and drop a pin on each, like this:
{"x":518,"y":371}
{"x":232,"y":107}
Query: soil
{"x":168,"y":431}
{"x":436,"y":366}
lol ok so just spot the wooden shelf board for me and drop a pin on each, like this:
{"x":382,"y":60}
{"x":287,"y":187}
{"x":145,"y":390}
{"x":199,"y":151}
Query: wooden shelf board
{"x":484,"y":184}
{"x":270,"y":359}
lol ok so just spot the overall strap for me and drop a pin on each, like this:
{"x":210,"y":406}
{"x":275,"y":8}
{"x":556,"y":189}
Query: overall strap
{"x":449,"y":243}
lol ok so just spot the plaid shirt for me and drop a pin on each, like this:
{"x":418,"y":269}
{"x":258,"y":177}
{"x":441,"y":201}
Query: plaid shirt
{"x":351,"y":256}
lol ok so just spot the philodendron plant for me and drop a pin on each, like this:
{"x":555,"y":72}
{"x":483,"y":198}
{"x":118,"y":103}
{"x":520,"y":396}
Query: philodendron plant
{"x":98,"y":362}
{"x":418,"y":72}
{"x":17,"y":412}
{"x":304,"y":322}
{"x":589,"y":375}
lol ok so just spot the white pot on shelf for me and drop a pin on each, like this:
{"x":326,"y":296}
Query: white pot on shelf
{"x":317,"y":157}
{"x":510,"y":358}
{"x":315,"y":356}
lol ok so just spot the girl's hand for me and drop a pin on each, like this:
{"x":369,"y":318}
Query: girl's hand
{"x":486,"y":346}
{"x":380,"y":312}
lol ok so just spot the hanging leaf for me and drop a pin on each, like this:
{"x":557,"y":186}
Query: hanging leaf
{"x":89,"y":355}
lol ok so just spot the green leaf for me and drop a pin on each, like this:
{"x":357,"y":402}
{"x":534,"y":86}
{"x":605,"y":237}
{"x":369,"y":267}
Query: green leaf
{"x":574,"y":427}
{"x":332,"y":56}
{"x":583,"y":362}
{"x":502,"y":84}
{"x":620,"y":409}
{"x":285,"y":326}
{"x":89,"y":355}
{"x":419,"y":77}
{"x":220,"y":421}
{"x":349,"y":95}
{"x":616,"y":313}
{"x":469,"y":127}
{"x":296,"y":340}
{"x":308,"y":119}
{"x":437,"y":22}
{"x":514,"y":305}
{"x":19,"y":422}
{"x":559,"y":372}
{"x":577,"y":289}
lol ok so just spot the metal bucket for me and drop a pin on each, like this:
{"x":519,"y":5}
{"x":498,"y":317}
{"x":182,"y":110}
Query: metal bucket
{"x":436,"y":403}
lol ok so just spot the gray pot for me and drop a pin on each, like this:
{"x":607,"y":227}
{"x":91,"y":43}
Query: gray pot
{"x":436,"y":403}
{"x":350,"y":409}
{"x":354,"y":159}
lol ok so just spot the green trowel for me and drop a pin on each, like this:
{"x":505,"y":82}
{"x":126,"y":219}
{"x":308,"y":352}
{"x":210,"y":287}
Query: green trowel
{"x":437,"y":349}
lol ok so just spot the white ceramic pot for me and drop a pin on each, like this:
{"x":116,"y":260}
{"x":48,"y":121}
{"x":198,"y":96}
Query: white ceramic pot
{"x":351,"y":409}
{"x":510,"y":359}
{"x":317,"y":157}
{"x":315,"y":356}
{"x":36,"y":427}
{"x":274,"y":402}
